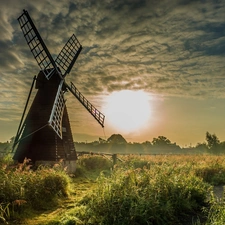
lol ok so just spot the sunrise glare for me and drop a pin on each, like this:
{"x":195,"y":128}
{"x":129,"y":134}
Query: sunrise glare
{"x":128,"y":110}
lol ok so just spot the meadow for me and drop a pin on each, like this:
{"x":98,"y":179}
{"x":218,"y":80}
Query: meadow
{"x":163,"y":189}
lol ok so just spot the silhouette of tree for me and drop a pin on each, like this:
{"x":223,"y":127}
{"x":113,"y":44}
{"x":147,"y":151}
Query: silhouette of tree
{"x":117,"y":139}
{"x":201,"y":146}
{"x":212,"y":140}
{"x":161,"y":141}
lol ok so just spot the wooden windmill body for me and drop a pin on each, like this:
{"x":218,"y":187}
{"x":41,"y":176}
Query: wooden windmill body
{"x":44,"y":135}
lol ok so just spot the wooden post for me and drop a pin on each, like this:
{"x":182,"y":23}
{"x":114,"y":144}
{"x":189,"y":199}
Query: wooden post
{"x":114,"y":158}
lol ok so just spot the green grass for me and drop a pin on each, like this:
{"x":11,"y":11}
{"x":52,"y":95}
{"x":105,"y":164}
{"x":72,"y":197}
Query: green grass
{"x":23,"y":189}
{"x":160,"y":195}
{"x":139,"y":190}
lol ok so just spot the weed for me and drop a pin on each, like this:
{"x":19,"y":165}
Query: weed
{"x":94,"y":162}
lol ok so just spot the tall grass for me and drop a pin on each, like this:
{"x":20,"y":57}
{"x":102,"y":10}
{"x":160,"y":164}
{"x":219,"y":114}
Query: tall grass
{"x":90,"y":166}
{"x":94,"y":162}
{"x":143,"y":196}
{"x":156,"y":190}
{"x":35,"y":189}
{"x":139,"y":190}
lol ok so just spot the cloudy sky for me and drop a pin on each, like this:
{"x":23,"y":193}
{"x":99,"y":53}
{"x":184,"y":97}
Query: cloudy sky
{"x":172,"y":50}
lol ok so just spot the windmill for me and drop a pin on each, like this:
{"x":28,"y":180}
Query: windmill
{"x":44,"y":134}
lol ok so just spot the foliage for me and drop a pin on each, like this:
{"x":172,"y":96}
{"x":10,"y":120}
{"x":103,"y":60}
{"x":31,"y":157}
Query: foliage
{"x":216,"y":214}
{"x":22,"y":186}
{"x":212,"y":140}
{"x":161,"y":140}
{"x":213,"y":171}
{"x":159,"y":193}
{"x":117,"y":139}
{"x":132,"y":161}
{"x":201,"y":146}
{"x":44,"y":186}
{"x":139,"y":190}
{"x":6,"y":147}
{"x":94,"y":162}
{"x":4,"y":212}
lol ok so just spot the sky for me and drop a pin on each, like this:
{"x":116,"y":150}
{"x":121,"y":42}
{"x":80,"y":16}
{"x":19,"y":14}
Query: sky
{"x":169,"y":52}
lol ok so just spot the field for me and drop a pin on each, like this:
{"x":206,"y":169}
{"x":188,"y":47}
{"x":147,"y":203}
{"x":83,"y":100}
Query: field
{"x":165,"y":189}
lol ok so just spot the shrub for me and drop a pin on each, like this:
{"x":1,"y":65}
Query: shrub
{"x":142,"y":196}
{"x":45,"y":185}
{"x":94,"y":162}
{"x":216,"y":214}
{"x":19,"y":184}
{"x":136,"y":162}
{"x":212,"y":172}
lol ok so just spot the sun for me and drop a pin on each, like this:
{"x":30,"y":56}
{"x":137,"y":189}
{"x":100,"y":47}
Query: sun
{"x":128,"y":110}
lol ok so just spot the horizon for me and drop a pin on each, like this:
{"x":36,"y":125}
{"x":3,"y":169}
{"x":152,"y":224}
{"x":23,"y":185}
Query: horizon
{"x":85,"y":138}
{"x":153,"y":68}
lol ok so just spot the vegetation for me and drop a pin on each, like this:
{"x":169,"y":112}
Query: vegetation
{"x":116,"y":143}
{"x":160,"y":145}
{"x":22,"y":188}
{"x":137,"y":190}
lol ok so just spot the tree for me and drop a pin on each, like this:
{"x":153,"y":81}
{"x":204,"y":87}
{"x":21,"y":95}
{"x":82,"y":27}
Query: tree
{"x":222,"y":145}
{"x":201,"y":146}
{"x":117,"y":139}
{"x":161,"y":141}
{"x":212,"y":140}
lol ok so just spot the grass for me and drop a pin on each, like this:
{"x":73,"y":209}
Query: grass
{"x":23,"y":189}
{"x":138,"y":190}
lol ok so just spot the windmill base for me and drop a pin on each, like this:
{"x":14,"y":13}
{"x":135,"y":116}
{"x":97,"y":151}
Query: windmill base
{"x":69,"y":165}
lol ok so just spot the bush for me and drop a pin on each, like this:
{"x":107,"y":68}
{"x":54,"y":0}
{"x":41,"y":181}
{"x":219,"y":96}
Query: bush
{"x":44,"y":186}
{"x":133,"y":161}
{"x":216,"y":213}
{"x":94,"y":162}
{"x":19,"y":184}
{"x":142,"y":196}
{"x":212,"y":172}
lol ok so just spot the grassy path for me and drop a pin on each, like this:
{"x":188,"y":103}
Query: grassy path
{"x":80,"y":187}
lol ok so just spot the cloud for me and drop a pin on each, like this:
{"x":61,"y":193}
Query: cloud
{"x":166,"y":47}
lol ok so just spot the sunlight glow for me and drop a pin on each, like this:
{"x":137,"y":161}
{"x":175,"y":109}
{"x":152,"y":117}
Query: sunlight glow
{"x":128,"y":110}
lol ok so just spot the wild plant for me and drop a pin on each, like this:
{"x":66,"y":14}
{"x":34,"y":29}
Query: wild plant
{"x":159,"y":195}
{"x":22,"y":187}
{"x":45,"y":185}
{"x":4,"y":212}
{"x":94,"y":162}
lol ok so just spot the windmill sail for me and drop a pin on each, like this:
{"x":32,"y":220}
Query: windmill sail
{"x":94,"y":112}
{"x":45,"y":134}
{"x":37,"y":45}
{"x":55,"y":120}
{"x":68,"y":55}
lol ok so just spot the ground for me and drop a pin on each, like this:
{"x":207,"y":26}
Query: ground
{"x":80,"y":186}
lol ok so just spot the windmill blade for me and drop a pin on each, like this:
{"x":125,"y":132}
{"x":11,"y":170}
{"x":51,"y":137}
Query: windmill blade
{"x":55,"y":120}
{"x":68,"y":55}
{"x":37,"y":45}
{"x":94,"y":112}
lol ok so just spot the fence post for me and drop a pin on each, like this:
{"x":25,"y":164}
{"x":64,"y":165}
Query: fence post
{"x":114,"y":158}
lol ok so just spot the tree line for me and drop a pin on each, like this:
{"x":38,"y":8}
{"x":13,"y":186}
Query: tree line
{"x":116,"y":143}
{"x":160,"y":145}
